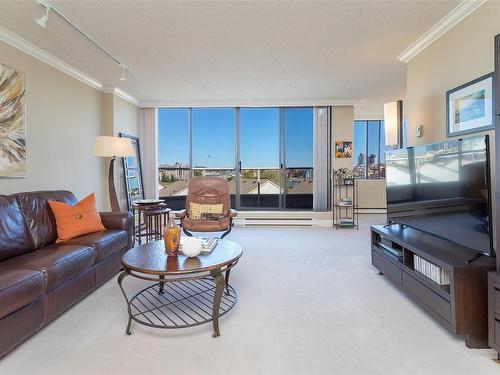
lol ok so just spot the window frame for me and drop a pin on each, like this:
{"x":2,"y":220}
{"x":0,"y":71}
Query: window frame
{"x":366,"y":124}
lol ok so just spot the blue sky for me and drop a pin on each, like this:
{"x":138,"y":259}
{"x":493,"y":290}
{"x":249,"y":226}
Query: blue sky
{"x":213,"y":137}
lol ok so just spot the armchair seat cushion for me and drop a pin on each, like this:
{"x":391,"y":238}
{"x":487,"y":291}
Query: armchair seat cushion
{"x":18,"y":288}
{"x":206,"y":225}
{"x":105,"y":243}
{"x":57,"y":263}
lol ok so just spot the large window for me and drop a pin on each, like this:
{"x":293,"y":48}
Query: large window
{"x":174,"y":170}
{"x":264,"y":153}
{"x":369,"y":149}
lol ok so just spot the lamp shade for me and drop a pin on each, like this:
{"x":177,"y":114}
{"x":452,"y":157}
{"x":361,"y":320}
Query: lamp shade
{"x":106,"y":146}
{"x":392,"y":123}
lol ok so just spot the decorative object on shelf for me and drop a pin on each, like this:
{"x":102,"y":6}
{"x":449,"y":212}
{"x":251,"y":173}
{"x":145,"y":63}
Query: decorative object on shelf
{"x":191,"y":246}
{"x":172,"y":237}
{"x":113,"y":147}
{"x":469,"y":107}
{"x":345,"y":209}
{"x":132,"y":172}
{"x":343,"y":149}
{"x":393,"y":120}
{"x":12,"y":123}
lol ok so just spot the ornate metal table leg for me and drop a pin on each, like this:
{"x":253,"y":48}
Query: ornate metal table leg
{"x":227,"y":281}
{"x":162,"y":285}
{"x":120,"y":280}
{"x":219,"y":289}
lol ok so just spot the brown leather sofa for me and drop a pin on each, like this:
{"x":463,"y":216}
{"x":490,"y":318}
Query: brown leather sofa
{"x":39,"y":279}
{"x":208,"y":190}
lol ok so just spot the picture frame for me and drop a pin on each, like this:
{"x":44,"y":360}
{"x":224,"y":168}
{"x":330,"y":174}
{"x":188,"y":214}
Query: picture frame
{"x":343,"y":149}
{"x":469,"y":107}
{"x":13,"y":140}
{"x":132,"y":172}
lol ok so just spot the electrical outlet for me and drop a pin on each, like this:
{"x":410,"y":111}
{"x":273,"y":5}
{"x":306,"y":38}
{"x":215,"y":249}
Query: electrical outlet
{"x":419,"y":130}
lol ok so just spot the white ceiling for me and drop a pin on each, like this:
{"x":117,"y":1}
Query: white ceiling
{"x":230,"y":52}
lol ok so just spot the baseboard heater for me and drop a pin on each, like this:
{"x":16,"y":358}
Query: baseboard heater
{"x":277,"y":222}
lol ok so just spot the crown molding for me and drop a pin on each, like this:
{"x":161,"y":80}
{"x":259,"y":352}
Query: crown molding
{"x":39,"y":54}
{"x":465,"y":8}
{"x":249,"y":103}
{"x":126,"y":96}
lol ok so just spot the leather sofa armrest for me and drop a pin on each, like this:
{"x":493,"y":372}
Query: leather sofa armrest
{"x":232,"y":213}
{"x":181,"y":214}
{"x":121,"y":221}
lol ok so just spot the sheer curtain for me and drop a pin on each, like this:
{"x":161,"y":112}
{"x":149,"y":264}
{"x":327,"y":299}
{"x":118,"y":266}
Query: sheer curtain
{"x":149,"y":152}
{"x":321,"y":158}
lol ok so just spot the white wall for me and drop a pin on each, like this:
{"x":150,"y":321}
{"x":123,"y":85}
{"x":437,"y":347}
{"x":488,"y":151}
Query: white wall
{"x":463,"y":53}
{"x":63,"y":117}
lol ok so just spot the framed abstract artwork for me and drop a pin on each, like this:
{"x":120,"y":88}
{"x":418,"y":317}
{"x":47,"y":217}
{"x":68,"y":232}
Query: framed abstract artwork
{"x":132,"y":172}
{"x":343,"y":149}
{"x":12,"y":123}
{"x":469,"y":107}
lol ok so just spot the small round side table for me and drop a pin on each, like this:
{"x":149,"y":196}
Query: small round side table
{"x":153,"y":217}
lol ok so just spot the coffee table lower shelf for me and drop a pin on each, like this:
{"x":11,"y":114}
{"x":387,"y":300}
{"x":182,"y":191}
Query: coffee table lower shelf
{"x":179,"y":304}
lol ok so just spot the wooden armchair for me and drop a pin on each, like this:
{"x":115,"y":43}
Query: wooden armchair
{"x":208,"y":191}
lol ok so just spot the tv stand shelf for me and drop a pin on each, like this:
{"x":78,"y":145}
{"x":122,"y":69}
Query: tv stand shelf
{"x":461,"y":305}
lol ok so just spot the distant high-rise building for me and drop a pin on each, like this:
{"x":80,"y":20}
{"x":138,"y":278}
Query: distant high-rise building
{"x":372,"y":159}
{"x":361,"y":159}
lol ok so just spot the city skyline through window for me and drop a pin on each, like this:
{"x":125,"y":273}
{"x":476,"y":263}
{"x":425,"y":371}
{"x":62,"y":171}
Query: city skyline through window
{"x":369,"y":149}
{"x":275,"y":145}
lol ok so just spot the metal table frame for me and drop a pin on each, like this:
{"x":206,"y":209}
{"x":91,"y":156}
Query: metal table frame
{"x":189,"y":303}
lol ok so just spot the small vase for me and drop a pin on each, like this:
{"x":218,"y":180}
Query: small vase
{"x":172,"y":237}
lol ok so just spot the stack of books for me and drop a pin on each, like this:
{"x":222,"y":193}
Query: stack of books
{"x":345,"y":202}
{"x":345,"y":221}
{"x":437,"y":274}
{"x":207,"y":243}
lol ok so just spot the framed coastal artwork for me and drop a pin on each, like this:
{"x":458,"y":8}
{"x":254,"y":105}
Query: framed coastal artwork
{"x":343,"y":149}
{"x":132,"y":172}
{"x":469,"y":107}
{"x":12,"y":123}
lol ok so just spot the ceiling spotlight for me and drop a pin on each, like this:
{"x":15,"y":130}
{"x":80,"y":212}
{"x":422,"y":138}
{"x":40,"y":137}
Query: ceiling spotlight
{"x":123,"y":74}
{"x":42,"y":21}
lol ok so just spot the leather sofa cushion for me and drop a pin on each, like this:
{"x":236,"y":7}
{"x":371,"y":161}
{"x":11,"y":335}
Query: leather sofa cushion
{"x":18,"y":288}
{"x":106,"y":243}
{"x":58,"y":263}
{"x":40,"y":221}
{"x":14,"y":237}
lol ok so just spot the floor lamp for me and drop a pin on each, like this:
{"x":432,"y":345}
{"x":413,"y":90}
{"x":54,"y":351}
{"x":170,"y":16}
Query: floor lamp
{"x":113,"y":147}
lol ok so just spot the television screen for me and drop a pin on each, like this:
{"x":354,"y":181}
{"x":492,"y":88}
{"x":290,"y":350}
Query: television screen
{"x":443,"y":189}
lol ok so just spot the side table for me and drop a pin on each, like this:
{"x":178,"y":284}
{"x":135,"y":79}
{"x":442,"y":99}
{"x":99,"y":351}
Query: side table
{"x":151,"y":219}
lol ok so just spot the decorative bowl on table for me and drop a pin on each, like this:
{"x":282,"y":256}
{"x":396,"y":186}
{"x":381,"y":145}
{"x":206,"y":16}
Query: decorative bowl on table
{"x":146,"y":202}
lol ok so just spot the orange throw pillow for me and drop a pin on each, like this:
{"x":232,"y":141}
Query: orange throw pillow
{"x":77,"y":220}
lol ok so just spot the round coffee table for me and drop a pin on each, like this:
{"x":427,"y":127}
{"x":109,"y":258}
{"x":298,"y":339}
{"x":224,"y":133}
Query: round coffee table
{"x":188,"y":291}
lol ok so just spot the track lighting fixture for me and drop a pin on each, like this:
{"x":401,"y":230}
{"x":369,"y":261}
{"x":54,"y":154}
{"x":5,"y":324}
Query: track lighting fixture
{"x":123,"y":74}
{"x":42,"y":21}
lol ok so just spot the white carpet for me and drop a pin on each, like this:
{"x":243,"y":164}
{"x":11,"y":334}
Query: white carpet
{"x":309,"y":302}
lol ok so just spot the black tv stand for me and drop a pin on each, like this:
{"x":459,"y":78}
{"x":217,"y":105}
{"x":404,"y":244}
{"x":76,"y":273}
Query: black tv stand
{"x":475,"y":257}
{"x":461,"y":305}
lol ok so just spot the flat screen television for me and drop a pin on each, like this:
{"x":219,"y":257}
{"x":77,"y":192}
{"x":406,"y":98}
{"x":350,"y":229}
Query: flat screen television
{"x":443,"y":189}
